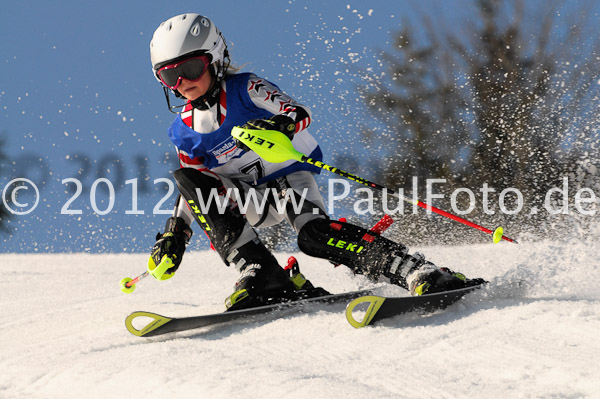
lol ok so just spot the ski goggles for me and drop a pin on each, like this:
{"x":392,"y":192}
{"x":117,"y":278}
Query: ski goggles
{"x":190,"y":69}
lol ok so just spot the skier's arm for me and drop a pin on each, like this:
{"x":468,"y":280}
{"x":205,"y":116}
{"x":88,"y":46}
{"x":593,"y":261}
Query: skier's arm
{"x":182,"y":210}
{"x":289,"y":116}
{"x":188,"y":161}
{"x":284,"y":108}
{"x":171,"y":244}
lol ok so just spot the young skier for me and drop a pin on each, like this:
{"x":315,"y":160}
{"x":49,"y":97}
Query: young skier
{"x":190,"y":59}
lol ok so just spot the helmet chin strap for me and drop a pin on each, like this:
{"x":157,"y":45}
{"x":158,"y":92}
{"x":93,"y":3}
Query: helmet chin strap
{"x":203,"y":102}
{"x":209,"y":98}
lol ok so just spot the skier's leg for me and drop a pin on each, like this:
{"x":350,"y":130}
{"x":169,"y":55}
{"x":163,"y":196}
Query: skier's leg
{"x":375,"y":256}
{"x":303,"y":201}
{"x":362,"y":251}
{"x":294,"y":197}
{"x":340,"y":242}
{"x":231,"y":235}
{"x":358,"y":248}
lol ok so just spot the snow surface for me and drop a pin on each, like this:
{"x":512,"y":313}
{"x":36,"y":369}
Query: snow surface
{"x":63,"y":334}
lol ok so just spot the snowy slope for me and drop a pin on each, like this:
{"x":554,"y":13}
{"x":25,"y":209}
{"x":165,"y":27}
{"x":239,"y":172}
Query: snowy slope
{"x":63,"y":336}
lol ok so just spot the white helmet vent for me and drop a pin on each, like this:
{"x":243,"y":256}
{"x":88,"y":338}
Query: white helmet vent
{"x":195,"y":31}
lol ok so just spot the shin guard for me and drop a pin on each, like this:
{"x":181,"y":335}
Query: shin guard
{"x":223,"y":224}
{"x":361,"y":250}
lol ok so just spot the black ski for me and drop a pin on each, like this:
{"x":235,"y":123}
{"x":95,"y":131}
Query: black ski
{"x":162,"y":325}
{"x":380,"y":307}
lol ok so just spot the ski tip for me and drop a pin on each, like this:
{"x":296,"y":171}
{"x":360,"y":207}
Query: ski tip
{"x":155,"y":322}
{"x":374,"y":303}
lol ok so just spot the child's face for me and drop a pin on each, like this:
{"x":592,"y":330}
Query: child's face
{"x":194,"y":89}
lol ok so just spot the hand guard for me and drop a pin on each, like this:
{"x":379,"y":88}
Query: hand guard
{"x":170,"y":244}
{"x":281,"y":123}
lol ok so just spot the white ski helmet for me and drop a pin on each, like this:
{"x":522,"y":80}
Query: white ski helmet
{"x":185,"y":35}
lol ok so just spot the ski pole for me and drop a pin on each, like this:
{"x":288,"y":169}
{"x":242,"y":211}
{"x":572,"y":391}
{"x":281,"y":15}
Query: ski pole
{"x":275,"y":147}
{"x":128,"y":284}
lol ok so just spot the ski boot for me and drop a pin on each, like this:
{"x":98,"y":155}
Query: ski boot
{"x":429,"y":279}
{"x":261,"y":282}
{"x":264,"y":282}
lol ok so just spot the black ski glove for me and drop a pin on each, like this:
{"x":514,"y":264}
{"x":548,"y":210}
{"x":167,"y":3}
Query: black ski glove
{"x":281,"y":123}
{"x":171,"y":244}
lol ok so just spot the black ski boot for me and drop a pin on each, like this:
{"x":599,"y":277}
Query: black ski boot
{"x":262,"y":280}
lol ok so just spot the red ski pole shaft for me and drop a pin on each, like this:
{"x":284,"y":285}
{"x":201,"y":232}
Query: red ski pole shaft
{"x":136,"y":279}
{"x":421,"y":204}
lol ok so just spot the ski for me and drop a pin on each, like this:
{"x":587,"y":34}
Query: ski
{"x":380,"y":307}
{"x":159,"y":325}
